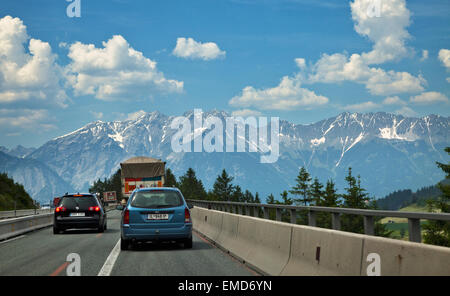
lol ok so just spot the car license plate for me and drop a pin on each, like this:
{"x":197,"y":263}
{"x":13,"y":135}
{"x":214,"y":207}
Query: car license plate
{"x":77,"y":214}
{"x":158,"y":216}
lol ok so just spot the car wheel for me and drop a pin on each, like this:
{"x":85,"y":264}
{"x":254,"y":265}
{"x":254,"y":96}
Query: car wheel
{"x":188,"y":243}
{"x":124,"y":244}
{"x":55,"y":230}
{"x":105,"y":225}
{"x":101,"y":228}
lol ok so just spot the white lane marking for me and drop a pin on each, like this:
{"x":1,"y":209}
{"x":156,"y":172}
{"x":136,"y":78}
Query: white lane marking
{"x":110,"y":261}
{"x":12,"y":239}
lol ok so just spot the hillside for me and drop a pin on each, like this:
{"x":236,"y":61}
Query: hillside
{"x":10,"y":192}
{"x":404,"y":198}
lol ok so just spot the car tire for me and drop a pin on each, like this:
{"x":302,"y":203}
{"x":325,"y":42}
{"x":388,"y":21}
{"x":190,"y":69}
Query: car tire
{"x":188,"y":243}
{"x":124,"y":244}
{"x":55,"y":230}
{"x":101,"y":228}
{"x":105,"y":225}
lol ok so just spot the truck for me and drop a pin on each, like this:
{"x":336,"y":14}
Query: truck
{"x":141,"y":172}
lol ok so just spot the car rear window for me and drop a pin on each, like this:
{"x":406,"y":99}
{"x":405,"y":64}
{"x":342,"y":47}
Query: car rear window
{"x":83,"y":202}
{"x":156,"y":199}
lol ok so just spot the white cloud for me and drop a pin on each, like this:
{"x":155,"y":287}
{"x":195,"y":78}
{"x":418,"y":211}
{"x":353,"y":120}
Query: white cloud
{"x":135,"y":115}
{"x":300,"y":63}
{"x":407,"y":112}
{"x":393,"y":101}
{"x":424,"y":55}
{"x":288,"y":95}
{"x":444,"y":57}
{"x":97,"y":115}
{"x":28,"y":71}
{"x":116,"y":71}
{"x":361,"y":107}
{"x":387,"y":32}
{"x":246,"y":113}
{"x":338,"y":67}
{"x":25,"y":119}
{"x":189,"y":48}
{"x":429,"y":98}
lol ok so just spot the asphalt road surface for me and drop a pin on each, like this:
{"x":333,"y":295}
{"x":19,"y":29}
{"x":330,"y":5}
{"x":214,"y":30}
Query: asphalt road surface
{"x":43,"y":253}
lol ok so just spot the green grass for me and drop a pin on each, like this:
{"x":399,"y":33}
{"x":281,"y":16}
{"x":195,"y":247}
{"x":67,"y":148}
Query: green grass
{"x":402,"y":223}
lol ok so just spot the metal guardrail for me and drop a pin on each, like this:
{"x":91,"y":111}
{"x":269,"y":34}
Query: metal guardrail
{"x":252,"y":209}
{"x":21,"y":213}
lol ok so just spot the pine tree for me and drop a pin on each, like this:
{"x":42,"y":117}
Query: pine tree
{"x":316,"y":193}
{"x":285,"y":200}
{"x":223,"y":188}
{"x":248,"y":197}
{"x":270,"y":199}
{"x":355,"y":197}
{"x":257,"y":200}
{"x":301,"y":188}
{"x":170,"y":180}
{"x":191,"y":187}
{"x":237,"y":195}
{"x":438,"y":232}
{"x":330,"y":198}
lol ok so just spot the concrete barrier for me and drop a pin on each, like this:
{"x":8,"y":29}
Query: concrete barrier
{"x":406,"y":258}
{"x":265,"y":246}
{"x":277,"y":248}
{"x":210,"y":223}
{"x":318,"y":251}
{"x":17,"y":226}
{"x":227,"y":237}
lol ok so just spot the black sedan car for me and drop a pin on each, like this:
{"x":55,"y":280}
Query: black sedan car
{"x":79,"y":211}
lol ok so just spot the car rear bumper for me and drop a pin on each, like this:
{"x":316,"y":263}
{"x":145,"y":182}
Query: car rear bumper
{"x":153,"y":234}
{"x":79,"y":222}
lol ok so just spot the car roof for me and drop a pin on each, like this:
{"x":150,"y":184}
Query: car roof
{"x":157,"y":188}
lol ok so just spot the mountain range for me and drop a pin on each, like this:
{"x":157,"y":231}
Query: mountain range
{"x":389,"y":152}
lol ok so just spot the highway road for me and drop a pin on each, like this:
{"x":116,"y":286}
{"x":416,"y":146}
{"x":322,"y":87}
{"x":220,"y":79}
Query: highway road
{"x":43,"y":253}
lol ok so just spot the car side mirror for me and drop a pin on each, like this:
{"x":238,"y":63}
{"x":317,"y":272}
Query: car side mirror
{"x":190,"y":206}
{"x":119,"y":208}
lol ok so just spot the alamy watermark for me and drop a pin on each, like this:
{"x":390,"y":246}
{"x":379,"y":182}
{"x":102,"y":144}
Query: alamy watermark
{"x":249,"y":132}
{"x":74,"y":8}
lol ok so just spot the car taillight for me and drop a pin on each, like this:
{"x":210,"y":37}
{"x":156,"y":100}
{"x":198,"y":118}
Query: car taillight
{"x":187,"y":216}
{"x":97,"y":209}
{"x":60,"y":209}
{"x":126,"y":217}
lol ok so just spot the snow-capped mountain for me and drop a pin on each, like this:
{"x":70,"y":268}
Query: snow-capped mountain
{"x":389,"y":151}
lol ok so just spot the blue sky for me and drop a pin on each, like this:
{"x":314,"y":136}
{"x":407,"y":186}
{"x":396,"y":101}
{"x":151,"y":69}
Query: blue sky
{"x":301,"y":60}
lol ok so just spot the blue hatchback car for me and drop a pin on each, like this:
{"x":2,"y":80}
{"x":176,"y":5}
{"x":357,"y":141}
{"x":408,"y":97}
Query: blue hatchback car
{"x":156,"y":214}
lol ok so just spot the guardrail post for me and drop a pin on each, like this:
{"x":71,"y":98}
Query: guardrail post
{"x":266,"y":213}
{"x":293,"y":216}
{"x":336,"y":221}
{"x":247,"y":210}
{"x":369,"y":228}
{"x":256,"y":211}
{"x":312,"y":218}
{"x":415,"y":234}
{"x":278,"y":216}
